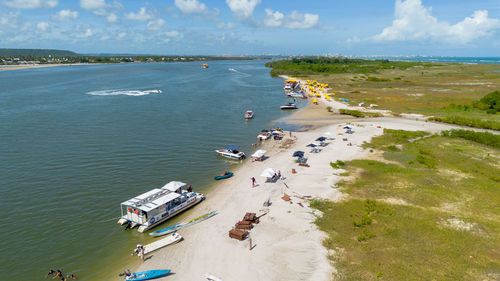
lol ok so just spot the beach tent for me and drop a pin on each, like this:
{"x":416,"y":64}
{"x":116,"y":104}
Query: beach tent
{"x":173,"y":185}
{"x":268,"y":173}
{"x":298,"y":154}
{"x":259,"y":153}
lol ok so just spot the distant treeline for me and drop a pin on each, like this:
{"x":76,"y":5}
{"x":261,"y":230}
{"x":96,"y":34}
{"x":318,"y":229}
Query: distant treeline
{"x":308,"y":66}
{"x":36,"y":53}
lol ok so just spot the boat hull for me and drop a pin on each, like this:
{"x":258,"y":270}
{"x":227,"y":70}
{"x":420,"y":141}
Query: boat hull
{"x":230,"y":155}
{"x":221,"y":177}
{"x":148,"y":275}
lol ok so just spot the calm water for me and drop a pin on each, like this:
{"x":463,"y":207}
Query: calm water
{"x":75,"y":141}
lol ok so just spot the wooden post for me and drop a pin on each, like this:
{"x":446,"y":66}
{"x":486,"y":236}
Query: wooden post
{"x":250,"y":243}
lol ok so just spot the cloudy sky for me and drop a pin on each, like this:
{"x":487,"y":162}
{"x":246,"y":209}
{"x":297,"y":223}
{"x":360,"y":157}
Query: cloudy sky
{"x":210,"y":27}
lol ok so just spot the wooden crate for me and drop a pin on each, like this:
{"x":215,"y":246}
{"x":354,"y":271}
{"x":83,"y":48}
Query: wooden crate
{"x":238,"y":234}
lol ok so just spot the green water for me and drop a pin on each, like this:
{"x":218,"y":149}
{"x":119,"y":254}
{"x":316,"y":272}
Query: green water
{"x":75,"y":141}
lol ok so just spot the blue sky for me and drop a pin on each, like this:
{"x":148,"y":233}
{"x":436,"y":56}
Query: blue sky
{"x":216,"y":27}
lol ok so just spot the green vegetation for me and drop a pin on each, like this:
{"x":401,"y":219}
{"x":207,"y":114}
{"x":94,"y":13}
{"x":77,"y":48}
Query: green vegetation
{"x":490,"y":103}
{"x":359,"y":114}
{"x":450,"y":92}
{"x":376,"y":79}
{"x":467,"y":121}
{"x":36,"y":53}
{"x":337,"y":164}
{"x":479,"y":137}
{"x":430,"y":210}
{"x":335,"y":65}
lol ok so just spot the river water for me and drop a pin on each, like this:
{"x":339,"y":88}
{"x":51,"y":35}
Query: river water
{"x":75,"y":141}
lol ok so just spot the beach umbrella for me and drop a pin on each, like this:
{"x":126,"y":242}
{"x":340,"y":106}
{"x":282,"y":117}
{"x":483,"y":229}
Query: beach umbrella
{"x":298,"y":153}
{"x":321,"y":139}
{"x":268,"y":173}
{"x":311,"y":145}
{"x":173,"y":185}
{"x":347,"y":127}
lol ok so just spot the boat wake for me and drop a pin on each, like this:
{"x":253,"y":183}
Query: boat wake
{"x":135,"y":93}
{"x":239,"y":72}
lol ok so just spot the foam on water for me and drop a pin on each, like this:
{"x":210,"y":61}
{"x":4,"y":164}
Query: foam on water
{"x":135,"y":93}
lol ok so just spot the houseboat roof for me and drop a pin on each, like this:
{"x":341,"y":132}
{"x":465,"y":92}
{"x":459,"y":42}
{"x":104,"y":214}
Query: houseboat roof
{"x":151,"y":199}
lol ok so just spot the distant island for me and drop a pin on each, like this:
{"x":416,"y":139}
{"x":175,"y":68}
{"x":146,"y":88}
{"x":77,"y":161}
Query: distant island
{"x":49,"y":56}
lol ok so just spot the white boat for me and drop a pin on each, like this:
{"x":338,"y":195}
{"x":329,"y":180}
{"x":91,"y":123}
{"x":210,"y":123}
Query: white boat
{"x":289,"y":105}
{"x":231,"y":152}
{"x":249,"y":114}
{"x":296,"y":95}
{"x":158,"y":205}
{"x":169,"y":240}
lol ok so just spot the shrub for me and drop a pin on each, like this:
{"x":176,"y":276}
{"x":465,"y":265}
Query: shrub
{"x":355,"y":113}
{"x":365,"y":235}
{"x":490,"y":102}
{"x":470,"y":122}
{"x":485,"y":138}
{"x":329,"y":108}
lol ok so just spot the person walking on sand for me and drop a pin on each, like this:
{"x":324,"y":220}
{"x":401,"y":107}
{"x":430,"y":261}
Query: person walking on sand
{"x":253,"y":181}
{"x":141,"y":253}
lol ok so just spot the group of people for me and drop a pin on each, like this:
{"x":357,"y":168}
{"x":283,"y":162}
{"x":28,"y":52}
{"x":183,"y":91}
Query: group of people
{"x":58,"y":274}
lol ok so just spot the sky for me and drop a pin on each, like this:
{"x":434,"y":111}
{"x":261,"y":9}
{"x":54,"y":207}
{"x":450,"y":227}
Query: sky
{"x":254,"y":27}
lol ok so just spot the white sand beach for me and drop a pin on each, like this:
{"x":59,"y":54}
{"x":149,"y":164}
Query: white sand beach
{"x":287,"y":244}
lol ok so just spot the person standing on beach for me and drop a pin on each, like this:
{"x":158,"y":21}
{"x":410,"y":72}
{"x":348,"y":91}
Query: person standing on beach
{"x":253,"y":181}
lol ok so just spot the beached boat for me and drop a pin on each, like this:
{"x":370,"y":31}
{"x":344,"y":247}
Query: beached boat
{"x":296,"y":95}
{"x":169,"y":240}
{"x":148,"y":275}
{"x":226,"y":175}
{"x":158,"y":205}
{"x":289,"y":105}
{"x":231,"y":152}
{"x":249,"y":114}
{"x":177,"y":226}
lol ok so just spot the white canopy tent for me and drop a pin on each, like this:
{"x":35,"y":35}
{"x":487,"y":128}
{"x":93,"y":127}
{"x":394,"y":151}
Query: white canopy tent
{"x":268,"y":173}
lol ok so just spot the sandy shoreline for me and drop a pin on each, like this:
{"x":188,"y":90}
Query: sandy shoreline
{"x":288,"y":246}
{"x":27,"y":66}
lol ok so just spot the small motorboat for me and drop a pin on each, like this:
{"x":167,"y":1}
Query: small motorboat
{"x":147,"y":275}
{"x":226,"y":175}
{"x":289,"y":105}
{"x":249,"y":114}
{"x":231,"y":152}
{"x":204,"y":65}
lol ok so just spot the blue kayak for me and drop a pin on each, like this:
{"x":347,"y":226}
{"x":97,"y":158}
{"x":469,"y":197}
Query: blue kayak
{"x":148,"y":275}
{"x":224,"y":176}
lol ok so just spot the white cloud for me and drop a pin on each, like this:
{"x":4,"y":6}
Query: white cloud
{"x":102,"y":8}
{"x":112,"y":17}
{"x":30,"y":4}
{"x":155,"y":24}
{"x":63,"y":15}
{"x":121,"y":35}
{"x":142,"y":15}
{"x":92,"y":4}
{"x":173,"y":33}
{"x":191,"y":6}
{"x":301,"y":21}
{"x":242,"y":8}
{"x":295,"y":20}
{"x":273,"y":19}
{"x":227,"y":25}
{"x":413,"y":21}
{"x":42,"y":26}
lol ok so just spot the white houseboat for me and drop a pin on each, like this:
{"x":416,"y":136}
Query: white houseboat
{"x":158,"y":205}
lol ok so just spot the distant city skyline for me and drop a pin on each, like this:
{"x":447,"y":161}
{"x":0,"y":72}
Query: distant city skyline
{"x":254,"y":27}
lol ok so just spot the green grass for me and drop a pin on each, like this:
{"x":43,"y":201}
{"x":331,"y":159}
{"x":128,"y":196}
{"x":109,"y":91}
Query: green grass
{"x":479,"y":137}
{"x":435,"y":180}
{"x":430,"y":89}
{"x":467,"y":121}
{"x":359,"y":114}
